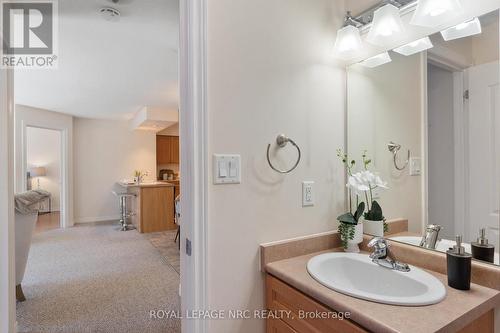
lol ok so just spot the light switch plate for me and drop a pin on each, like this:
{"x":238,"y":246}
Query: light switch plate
{"x":307,"y":193}
{"x":226,"y":169}
{"x":415,"y":166}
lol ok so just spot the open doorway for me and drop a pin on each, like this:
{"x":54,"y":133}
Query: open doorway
{"x":43,"y":162}
{"x":85,"y":272}
{"x":441,"y":148}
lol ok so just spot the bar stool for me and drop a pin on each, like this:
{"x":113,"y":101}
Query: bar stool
{"x":125,"y":213}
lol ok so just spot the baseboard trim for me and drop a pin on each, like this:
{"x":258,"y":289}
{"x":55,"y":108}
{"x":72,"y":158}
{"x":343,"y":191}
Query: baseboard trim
{"x":97,"y":219}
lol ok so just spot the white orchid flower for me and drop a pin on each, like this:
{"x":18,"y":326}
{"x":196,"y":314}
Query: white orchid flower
{"x":357,"y":184}
{"x":363,"y":181}
{"x":380,"y":183}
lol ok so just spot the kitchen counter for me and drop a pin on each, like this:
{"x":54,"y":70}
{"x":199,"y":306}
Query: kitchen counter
{"x":152,"y":206}
{"x":450,"y":315}
{"x":146,"y":184}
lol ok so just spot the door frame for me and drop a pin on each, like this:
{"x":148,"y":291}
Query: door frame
{"x":7,"y":239}
{"x":193,"y":119}
{"x":66,"y":219}
{"x":194,"y":148}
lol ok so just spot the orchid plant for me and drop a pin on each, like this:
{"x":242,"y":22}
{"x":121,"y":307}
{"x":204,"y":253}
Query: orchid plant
{"x":361,"y":185}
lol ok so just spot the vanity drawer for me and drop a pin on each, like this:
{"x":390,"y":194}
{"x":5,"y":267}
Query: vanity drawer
{"x":280,"y":296}
{"x":278,"y":326}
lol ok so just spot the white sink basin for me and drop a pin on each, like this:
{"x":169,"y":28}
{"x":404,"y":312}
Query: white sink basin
{"x":356,"y":275}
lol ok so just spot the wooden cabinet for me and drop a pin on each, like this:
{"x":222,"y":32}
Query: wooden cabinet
{"x":274,"y":325}
{"x":177,"y":184}
{"x":281,"y":297}
{"x":167,"y":149}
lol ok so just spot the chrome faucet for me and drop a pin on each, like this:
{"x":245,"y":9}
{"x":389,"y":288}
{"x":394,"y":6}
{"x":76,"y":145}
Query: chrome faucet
{"x":430,"y":237}
{"x":380,"y":255}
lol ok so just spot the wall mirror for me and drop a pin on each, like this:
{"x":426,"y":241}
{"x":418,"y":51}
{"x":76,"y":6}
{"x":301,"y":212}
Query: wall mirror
{"x":430,"y":121}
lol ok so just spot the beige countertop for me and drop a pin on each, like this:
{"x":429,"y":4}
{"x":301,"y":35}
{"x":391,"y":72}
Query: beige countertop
{"x":146,"y":184}
{"x":453,"y":313}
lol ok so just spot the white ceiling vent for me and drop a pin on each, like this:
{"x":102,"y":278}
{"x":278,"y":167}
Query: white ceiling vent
{"x":110,"y":14}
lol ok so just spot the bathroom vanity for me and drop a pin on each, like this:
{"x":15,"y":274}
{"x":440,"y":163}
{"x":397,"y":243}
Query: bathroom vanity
{"x":302,"y":304}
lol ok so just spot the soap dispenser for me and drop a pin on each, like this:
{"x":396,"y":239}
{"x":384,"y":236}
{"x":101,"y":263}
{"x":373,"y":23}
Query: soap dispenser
{"x":459,"y":266}
{"x":481,"y":249}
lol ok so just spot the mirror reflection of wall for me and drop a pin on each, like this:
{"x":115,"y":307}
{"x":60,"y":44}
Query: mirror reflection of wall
{"x":444,"y":106}
{"x":384,"y":107}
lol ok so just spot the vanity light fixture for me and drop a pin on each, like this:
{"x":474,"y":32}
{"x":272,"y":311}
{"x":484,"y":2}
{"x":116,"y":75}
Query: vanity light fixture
{"x":414,"y":47}
{"x":348,"y":40}
{"x":469,"y":28}
{"x":378,"y":60}
{"x":386,"y":26}
{"x":431,"y":13}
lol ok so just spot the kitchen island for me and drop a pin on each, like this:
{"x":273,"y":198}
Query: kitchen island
{"x":152,"y":206}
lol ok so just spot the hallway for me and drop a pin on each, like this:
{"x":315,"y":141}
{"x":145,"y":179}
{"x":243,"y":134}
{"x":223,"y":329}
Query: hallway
{"x":96,"y":279}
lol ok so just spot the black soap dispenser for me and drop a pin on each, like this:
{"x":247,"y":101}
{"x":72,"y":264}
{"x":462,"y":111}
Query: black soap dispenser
{"x":459,"y":266}
{"x":481,"y":249}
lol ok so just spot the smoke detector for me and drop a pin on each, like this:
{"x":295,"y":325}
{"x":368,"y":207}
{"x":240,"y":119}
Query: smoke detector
{"x":110,"y":14}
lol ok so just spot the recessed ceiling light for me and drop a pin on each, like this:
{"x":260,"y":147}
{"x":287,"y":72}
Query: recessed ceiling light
{"x":469,"y":28}
{"x":377,"y":60}
{"x":386,"y":27}
{"x":414,"y":47}
{"x":110,"y":14}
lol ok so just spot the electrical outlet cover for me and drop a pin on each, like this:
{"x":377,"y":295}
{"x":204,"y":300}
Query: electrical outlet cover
{"x":415,"y":166}
{"x":307,"y":193}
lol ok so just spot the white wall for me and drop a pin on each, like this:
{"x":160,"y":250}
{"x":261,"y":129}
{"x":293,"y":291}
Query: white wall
{"x":269,"y":71}
{"x":485,"y":46}
{"x":441,"y":155}
{"x":43,"y":149}
{"x":107,"y":151}
{"x":386,"y":104}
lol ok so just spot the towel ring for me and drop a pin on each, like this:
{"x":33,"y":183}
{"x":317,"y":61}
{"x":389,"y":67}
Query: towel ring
{"x":281,"y":141}
{"x":394,"y":149}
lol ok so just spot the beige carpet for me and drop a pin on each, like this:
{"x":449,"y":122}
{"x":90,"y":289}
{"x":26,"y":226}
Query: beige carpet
{"x":96,"y":279}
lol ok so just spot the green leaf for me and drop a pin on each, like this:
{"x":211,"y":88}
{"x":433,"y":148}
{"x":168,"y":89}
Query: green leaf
{"x":375,"y":213}
{"x":359,"y":211}
{"x":347,"y":218}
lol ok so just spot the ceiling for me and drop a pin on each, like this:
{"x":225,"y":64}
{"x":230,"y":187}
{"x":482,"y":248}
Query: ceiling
{"x":108,"y":69}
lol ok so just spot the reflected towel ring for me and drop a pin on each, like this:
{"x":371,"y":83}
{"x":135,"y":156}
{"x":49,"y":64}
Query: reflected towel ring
{"x":281,"y":141}
{"x":394,"y":149}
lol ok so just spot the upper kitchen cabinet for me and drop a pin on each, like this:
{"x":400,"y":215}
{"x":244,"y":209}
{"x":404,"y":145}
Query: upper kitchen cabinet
{"x":167,"y":149}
